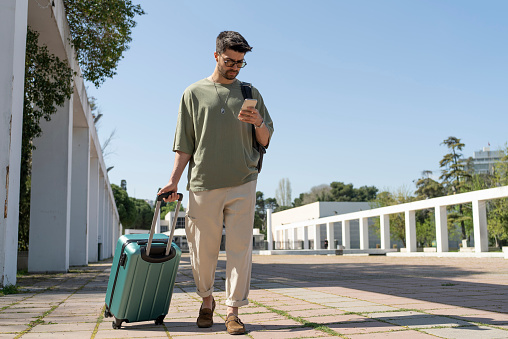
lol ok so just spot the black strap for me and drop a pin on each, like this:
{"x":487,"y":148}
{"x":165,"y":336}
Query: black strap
{"x":247,"y":94}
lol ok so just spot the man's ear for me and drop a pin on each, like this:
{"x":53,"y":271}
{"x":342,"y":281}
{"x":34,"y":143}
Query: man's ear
{"x":216,"y":56}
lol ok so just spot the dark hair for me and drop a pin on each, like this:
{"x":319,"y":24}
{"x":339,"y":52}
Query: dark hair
{"x":232,"y":40}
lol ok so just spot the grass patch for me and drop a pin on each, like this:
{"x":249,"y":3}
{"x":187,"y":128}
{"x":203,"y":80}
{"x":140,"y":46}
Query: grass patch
{"x":9,"y":289}
{"x":306,"y":323}
{"x":448,"y":284}
{"x":21,"y":273}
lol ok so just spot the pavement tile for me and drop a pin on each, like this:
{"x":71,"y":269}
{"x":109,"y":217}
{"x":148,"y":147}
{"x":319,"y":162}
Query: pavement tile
{"x":366,"y":326}
{"x":409,"y":334}
{"x":53,"y":335}
{"x":288,"y":333}
{"x":12,"y":328}
{"x":480,"y":332}
{"x":64,"y":327}
{"x":323,"y":311}
{"x":425,"y":321}
{"x":364,"y":309}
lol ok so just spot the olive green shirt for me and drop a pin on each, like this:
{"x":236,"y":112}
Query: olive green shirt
{"x":220,"y":145}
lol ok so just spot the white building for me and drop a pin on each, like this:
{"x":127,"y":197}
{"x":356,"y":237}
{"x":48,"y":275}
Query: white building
{"x":295,"y":239}
{"x":484,"y":160}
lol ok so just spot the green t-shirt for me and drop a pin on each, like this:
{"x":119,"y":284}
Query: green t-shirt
{"x":220,"y":144}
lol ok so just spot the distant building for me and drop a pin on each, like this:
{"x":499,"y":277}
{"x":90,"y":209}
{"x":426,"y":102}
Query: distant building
{"x":484,"y":160}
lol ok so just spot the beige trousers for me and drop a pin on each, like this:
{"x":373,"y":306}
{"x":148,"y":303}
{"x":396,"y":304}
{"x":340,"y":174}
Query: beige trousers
{"x":207,"y":212}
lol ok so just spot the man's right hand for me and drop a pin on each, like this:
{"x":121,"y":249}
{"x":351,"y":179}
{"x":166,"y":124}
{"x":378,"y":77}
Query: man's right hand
{"x":170,"y":187}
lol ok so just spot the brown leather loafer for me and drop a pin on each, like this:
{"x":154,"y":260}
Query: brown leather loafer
{"x":234,"y":325}
{"x":205,"y":318}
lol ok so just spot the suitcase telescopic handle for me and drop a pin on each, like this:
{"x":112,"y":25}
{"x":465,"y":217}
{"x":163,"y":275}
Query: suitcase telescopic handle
{"x":167,"y":194}
{"x":156,"y":216}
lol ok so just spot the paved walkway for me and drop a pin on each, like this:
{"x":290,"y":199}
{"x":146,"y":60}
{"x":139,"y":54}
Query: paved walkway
{"x":291,"y":297}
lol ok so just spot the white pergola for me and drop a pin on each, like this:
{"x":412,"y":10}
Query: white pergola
{"x":478,"y":200}
{"x":73,"y":213}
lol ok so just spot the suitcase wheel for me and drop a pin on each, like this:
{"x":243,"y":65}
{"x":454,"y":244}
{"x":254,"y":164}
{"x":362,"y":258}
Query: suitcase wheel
{"x":159,"y":320}
{"x":107,"y":314}
{"x":117,"y":323}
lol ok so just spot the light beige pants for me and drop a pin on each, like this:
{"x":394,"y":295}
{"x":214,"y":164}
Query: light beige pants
{"x":206,"y":213}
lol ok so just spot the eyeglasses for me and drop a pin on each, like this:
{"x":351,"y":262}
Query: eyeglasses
{"x":231,"y":63}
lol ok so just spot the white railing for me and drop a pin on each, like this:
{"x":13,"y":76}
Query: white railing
{"x":476,"y":198}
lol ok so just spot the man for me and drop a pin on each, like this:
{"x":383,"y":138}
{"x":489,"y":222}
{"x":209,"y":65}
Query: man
{"x":215,"y":136}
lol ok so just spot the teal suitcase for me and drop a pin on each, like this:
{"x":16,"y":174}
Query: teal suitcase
{"x":143,"y":275}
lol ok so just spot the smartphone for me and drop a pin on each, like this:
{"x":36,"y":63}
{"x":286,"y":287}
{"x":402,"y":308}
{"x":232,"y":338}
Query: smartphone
{"x":249,"y":103}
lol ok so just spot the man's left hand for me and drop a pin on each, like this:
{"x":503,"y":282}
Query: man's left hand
{"x":251,"y":116}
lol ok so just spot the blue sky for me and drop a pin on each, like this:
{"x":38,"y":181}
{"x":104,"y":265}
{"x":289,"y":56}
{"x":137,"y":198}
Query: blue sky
{"x":361,"y":91}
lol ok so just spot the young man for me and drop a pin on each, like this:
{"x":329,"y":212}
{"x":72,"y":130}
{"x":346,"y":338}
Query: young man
{"x":215,"y":136}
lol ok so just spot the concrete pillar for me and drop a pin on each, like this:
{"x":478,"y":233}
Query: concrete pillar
{"x":305,"y":238}
{"x":346,"y":234}
{"x":330,"y":236}
{"x":410,"y":221}
{"x":441,"y":229}
{"x":269,"y":234}
{"x":317,"y":237}
{"x":481,"y":240}
{"x":385,"y":231}
{"x":107,"y":228}
{"x":50,"y":207}
{"x":294,"y":236}
{"x":100,"y":229}
{"x":93,"y":210}
{"x":13,"y":23}
{"x":364,"y":233}
{"x":78,"y":250}
{"x":285,"y":239}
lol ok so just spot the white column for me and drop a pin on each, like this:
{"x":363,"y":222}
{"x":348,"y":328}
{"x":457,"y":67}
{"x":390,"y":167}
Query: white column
{"x":93,"y":210}
{"x":294,"y":236}
{"x":364,"y":233}
{"x":441,"y":229}
{"x":50,"y":207}
{"x":78,"y":249}
{"x":346,"y":234}
{"x":285,"y":239}
{"x":306,"y":238}
{"x":107,"y":228}
{"x":330,"y":235}
{"x":481,"y":240}
{"x":13,"y":23}
{"x":317,"y":237}
{"x":385,"y":231}
{"x":269,"y":234}
{"x":101,"y":225}
{"x":410,"y":221}
{"x":115,"y":236}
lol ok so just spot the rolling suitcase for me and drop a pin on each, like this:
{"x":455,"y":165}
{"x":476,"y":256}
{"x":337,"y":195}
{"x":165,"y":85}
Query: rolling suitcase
{"x":143,"y":274}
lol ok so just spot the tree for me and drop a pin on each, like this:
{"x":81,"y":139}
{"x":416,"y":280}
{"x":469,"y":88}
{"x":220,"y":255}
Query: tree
{"x":47,"y":86}
{"x":144,"y":214}
{"x":167,"y":207}
{"x":428,"y":188}
{"x":101,"y":33}
{"x":498,"y":209}
{"x":283,"y":192}
{"x":317,"y":193}
{"x":454,"y":177}
{"x":126,"y":207}
{"x":262,"y":205}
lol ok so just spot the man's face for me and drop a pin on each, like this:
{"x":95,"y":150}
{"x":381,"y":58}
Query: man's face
{"x":229,"y":73}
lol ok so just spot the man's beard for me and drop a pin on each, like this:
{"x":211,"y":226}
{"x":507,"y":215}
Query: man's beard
{"x":229,"y":75}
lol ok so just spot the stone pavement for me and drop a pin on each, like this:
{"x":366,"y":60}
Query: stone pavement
{"x":292,"y":297}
